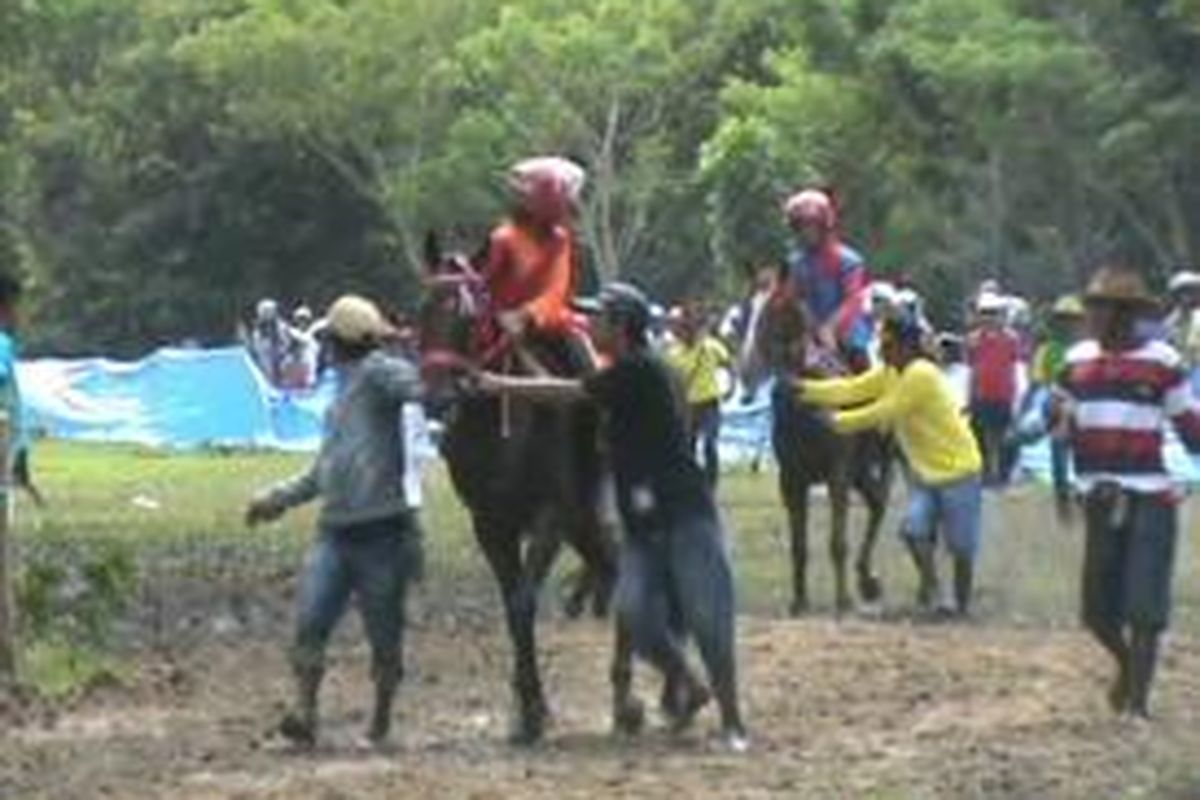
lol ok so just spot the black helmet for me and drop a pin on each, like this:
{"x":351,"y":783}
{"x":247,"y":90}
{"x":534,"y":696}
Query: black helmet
{"x":623,"y":302}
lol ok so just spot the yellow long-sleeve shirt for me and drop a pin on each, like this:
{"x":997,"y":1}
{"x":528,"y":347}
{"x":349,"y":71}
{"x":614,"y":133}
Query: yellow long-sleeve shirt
{"x":918,"y":404}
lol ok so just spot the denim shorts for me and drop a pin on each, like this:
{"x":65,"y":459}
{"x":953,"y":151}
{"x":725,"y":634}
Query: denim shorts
{"x":956,"y":507}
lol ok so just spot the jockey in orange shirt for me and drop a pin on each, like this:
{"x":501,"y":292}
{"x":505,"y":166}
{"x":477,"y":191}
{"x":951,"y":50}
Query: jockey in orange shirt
{"x":531,"y":262}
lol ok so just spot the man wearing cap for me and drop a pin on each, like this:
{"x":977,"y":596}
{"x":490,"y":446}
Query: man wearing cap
{"x":909,"y":395}
{"x":993,"y":354}
{"x":699,"y":357}
{"x":1121,"y":394}
{"x":365,"y":546}
{"x":675,"y":573}
{"x":828,"y":274}
{"x":1064,"y":328}
{"x":269,"y":340}
{"x":531,"y":261}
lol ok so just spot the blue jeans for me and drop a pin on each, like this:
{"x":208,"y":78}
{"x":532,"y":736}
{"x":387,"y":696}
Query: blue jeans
{"x":679,"y":582}
{"x":957,"y":506}
{"x":371,"y":562}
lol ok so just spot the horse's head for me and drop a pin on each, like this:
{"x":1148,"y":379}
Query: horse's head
{"x":781,"y":336}
{"x":449,"y":315}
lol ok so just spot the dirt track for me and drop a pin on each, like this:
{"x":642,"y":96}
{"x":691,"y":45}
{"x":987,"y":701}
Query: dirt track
{"x":857,"y":709}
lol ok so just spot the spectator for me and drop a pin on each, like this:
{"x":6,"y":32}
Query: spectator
{"x":270,"y":338}
{"x":699,"y":357}
{"x":1183,"y":323}
{"x":1065,"y":328}
{"x":303,"y":352}
{"x":993,"y":354}
{"x":1121,"y":393}
{"x":10,"y":390}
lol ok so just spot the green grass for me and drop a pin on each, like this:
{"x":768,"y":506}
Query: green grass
{"x":151,"y":499}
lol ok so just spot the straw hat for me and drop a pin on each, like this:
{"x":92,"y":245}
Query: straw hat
{"x":1069,"y":305}
{"x":356,"y":320}
{"x":1117,"y":285}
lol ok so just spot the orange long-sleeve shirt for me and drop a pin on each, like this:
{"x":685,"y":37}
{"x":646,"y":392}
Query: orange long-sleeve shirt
{"x":524,"y":271}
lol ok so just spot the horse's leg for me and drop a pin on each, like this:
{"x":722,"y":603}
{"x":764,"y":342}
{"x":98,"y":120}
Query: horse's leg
{"x":795,"y":498}
{"x":839,"y":502}
{"x":502,"y":546}
{"x":874,"y":484}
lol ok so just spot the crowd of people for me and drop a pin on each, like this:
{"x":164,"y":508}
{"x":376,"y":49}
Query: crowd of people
{"x":285,"y":350}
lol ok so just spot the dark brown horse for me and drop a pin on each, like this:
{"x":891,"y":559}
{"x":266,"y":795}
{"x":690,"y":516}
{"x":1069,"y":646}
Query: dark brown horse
{"x":530,"y":475}
{"x":810,"y":453}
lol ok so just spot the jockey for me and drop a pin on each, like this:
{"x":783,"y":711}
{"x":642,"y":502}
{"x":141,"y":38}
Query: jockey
{"x":531,"y":260}
{"x":829,"y":275}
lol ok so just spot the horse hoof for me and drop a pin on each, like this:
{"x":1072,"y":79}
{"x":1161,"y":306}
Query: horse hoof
{"x":527,"y":732}
{"x":573,"y":607}
{"x":629,"y":717}
{"x":871,"y":589}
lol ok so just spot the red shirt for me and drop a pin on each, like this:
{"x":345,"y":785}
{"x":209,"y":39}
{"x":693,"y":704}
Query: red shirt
{"x":994,"y":354}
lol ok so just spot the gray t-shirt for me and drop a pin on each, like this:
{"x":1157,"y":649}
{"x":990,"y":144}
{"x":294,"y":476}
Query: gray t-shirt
{"x":358,"y":472}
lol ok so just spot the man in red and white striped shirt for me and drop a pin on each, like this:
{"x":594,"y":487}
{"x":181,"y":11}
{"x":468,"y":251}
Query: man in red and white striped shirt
{"x":1123,"y":393}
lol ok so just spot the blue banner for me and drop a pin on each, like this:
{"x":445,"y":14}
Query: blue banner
{"x":173,"y":398}
{"x":196,"y":398}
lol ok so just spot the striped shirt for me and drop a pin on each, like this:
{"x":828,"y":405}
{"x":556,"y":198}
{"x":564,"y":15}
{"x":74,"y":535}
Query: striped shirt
{"x":1123,"y":402}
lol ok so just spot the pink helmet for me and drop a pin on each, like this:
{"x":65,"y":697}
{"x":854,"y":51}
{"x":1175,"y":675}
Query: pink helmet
{"x":548,"y":185}
{"x":811,"y":205}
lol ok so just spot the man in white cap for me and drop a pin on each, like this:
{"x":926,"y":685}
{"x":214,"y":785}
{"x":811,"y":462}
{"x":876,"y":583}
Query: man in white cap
{"x":993,"y":353}
{"x":366,"y":546}
{"x":1183,"y":323}
{"x":269,"y":340}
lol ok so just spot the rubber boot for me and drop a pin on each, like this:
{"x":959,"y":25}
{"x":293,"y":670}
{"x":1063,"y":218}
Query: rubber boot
{"x":922,"y":557}
{"x":1143,"y":659}
{"x":381,"y":717}
{"x":299,"y":725}
{"x":964,"y":583}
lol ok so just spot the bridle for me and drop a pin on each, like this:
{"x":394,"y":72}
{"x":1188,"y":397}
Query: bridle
{"x":471,"y":302}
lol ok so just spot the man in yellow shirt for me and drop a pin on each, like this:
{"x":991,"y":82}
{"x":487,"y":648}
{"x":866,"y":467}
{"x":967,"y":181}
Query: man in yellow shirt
{"x":699,"y":357}
{"x":910,"y":396}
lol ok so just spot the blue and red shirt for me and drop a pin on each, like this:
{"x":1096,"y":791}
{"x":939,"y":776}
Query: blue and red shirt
{"x":830,"y":278}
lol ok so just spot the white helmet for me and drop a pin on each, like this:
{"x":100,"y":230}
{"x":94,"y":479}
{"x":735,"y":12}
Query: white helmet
{"x":1183,"y":281}
{"x":266,"y":310}
{"x":991,"y":303}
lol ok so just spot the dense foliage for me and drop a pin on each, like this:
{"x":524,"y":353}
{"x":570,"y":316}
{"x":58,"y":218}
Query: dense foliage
{"x":165,"y":162}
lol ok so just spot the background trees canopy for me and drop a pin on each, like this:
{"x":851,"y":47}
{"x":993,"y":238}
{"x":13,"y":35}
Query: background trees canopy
{"x":164,"y":163}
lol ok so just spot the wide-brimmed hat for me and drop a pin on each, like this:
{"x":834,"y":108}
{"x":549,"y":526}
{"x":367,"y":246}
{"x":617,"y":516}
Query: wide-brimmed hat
{"x":356,"y":320}
{"x":1120,"y":286}
{"x":1069,"y":305}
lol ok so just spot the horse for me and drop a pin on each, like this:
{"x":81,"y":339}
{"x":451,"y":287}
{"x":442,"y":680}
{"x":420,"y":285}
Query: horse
{"x":810,"y":453}
{"x":529,"y":474}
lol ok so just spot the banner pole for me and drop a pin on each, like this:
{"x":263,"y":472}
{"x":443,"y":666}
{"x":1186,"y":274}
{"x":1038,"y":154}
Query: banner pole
{"x":8,"y":611}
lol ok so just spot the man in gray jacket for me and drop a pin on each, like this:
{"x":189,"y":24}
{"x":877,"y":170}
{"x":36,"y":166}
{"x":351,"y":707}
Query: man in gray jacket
{"x":365,"y":546}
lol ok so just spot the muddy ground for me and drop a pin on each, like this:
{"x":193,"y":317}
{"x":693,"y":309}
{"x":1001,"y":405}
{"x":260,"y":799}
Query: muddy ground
{"x":850,"y":709}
